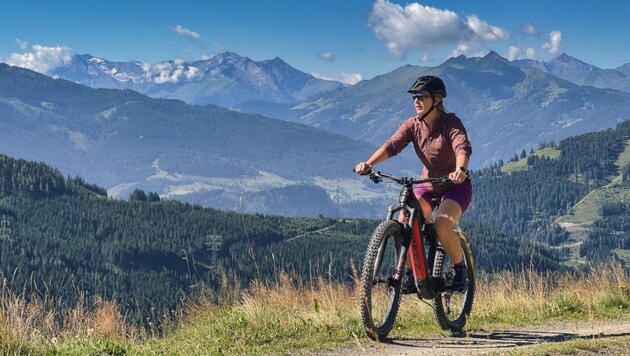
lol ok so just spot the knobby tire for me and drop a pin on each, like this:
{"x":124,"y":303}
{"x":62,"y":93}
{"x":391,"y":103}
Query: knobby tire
{"x":380,"y":299}
{"x":451,"y":309}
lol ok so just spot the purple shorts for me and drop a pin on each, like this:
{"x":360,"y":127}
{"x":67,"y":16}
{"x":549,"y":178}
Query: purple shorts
{"x":461,"y":193}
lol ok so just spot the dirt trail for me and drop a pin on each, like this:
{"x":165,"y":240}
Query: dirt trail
{"x":497,"y":341}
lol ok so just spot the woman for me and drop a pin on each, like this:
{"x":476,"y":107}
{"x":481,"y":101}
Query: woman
{"x":441,"y":143}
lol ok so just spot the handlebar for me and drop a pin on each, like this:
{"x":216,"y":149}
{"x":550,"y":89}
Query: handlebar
{"x":377,"y":177}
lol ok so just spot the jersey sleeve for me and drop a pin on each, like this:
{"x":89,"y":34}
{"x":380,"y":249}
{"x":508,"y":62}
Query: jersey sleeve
{"x":400,"y":139}
{"x":459,"y":138}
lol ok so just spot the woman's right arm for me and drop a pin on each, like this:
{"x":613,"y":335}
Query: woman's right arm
{"x":399,"y":140}
{"x":379,"y":156}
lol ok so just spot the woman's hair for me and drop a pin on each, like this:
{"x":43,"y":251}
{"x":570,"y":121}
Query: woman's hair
{"x":440,"y":106}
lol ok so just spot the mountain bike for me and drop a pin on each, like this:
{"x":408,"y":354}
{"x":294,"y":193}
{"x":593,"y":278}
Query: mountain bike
{"x":383,"y":268}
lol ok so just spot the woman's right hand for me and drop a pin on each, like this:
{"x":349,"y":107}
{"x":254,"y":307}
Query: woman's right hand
{"x":362,"y":168}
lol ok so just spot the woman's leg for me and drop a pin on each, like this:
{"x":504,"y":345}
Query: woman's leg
{"x":454,"y":202}
{"x":448,"y":215}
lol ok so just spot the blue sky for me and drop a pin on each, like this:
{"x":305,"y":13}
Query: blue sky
{"x":337,"y":39}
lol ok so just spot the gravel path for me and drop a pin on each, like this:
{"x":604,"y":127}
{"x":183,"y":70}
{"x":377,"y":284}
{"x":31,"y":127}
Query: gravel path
{"x":497,"y":341}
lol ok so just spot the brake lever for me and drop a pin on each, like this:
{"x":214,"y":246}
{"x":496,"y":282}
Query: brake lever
{"x":446,"y":182}
{"x":376,"y":179}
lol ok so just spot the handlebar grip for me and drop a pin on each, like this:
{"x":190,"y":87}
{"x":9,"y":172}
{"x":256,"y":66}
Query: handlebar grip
{"x":363,"y":174}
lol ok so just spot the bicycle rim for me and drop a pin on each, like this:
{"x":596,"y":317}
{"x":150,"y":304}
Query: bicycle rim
{"x":451,"y":309}
{"x":380,"y":294}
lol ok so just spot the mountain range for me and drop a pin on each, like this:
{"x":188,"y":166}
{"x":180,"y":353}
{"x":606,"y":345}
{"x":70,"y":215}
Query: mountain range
{"x":581,"y":73}
{"x":225,"y":79}
{"x":123,"y":140}
{"x":506,"y":106}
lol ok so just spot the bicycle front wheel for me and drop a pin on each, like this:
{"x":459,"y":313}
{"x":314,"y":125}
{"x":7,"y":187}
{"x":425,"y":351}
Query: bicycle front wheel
{"x":380,"y":292}
{"x":451,"y":309}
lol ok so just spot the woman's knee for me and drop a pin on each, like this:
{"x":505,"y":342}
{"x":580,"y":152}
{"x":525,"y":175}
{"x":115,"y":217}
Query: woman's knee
{"x":443,"y":223}
{"x":426,"y":207}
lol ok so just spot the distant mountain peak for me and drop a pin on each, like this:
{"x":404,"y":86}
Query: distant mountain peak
{"x":228,"y":54}
{"x":491,"y":56}
{"x":494,"y":56}
{"x":455,"y":60}
{"x":278,"y":60}
{"x":625,"y":69}
{"x":228,"y":57}
{"x":563,"y":57}
{"x":566,"y":60}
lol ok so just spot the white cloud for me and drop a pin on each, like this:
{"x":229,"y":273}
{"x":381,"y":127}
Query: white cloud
{"x":22,"y":44}
{"x":459,"y":50}
{"x":487,"y":33}
{"x":468,"y":50}
{"x":555,"y":42}
{"x":327,"y":56}
{"x":186,"y":32}
{"x":417,"y":27}
{"x":191,"y":73}
{"x":171,"y":72}
{"x":348,"y":78}
{"x":42,"y":59}
{"x":530,"y":53}
{"x":414,"y":27}
{"x":515,"y":53}
{"x":530,"y":30}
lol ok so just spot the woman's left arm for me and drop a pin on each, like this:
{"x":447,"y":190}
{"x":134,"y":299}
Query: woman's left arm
{"x":462,"y":148}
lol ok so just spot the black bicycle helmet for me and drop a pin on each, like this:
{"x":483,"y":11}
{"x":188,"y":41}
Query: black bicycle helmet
{"x":430,"y":83}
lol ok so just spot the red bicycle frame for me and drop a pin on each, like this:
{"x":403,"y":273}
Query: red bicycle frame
{"x":413,"y":241}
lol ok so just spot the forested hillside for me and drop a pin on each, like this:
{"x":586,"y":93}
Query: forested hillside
{"x":610,"y":233}
{"x":63,"y":239}
{"x":526,"y":202}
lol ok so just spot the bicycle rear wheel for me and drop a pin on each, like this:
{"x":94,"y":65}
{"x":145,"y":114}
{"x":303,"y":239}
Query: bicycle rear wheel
{"x":380,"y":293}
{"x":451,"y":309}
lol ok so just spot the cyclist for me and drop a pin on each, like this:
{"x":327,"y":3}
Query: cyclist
{"x":441,"y":142}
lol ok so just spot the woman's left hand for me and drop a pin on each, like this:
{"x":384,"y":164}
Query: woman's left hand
{"x":458,"y":176}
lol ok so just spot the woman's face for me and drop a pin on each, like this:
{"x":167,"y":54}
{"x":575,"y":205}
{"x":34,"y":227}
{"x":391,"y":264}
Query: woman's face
{"x":422,"y":102}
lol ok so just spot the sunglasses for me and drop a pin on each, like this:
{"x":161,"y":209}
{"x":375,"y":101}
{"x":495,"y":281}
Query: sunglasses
{"x":420,"y":97}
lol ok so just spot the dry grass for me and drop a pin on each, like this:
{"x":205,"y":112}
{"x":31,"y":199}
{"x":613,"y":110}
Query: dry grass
{"x":35,"y":326}
{"x":319,"y":302}
{"x":287,"y":314}
{"x":531,"y":297}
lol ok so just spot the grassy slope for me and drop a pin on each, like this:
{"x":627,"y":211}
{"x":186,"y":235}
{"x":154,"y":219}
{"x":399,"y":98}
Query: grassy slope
{"x":521,"y":164}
